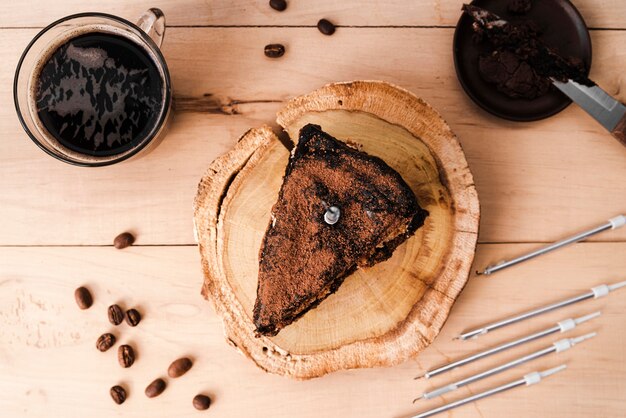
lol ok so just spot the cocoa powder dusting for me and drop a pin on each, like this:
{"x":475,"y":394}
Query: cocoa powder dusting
{"x":303,"y":259}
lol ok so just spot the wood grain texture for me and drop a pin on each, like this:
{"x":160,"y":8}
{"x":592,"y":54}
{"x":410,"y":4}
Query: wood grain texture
{"x":49,"y":365}
{"x":597,"y":13}
{"x":567,"y":165}
{"x":537,"y":182}
{"x":380,"y":315}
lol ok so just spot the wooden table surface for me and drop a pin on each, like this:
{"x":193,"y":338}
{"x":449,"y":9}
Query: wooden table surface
{"x":537,"y":182}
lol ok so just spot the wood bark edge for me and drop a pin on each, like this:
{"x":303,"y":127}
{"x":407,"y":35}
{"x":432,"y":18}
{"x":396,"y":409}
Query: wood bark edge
{"x":396,"y":106}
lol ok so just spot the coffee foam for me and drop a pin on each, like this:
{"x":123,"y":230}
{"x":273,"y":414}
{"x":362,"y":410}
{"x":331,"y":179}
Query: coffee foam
{"x":93,"y":60}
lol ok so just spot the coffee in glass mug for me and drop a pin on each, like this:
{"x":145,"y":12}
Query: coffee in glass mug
{"x":93,"y":89}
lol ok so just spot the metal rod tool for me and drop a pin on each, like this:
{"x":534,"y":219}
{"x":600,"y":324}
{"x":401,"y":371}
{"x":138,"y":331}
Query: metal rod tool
{"x":594,"y":293}
{"x":556,"y":347}
{"x":561,"y":326}
{"x":527,"y":380}
{"x":612,"y":223}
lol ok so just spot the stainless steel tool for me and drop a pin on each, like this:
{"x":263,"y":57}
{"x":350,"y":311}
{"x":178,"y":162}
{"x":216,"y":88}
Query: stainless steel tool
{"x":601,"y":106}
{"x":594,"y":293}
{"x":527,"y":380}
{"x":613,"y":223}
{"x":556,"y":347}
{"x":561,"y":326}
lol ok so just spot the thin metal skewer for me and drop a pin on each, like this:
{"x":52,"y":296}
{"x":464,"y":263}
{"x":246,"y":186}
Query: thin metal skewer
{"x":612,"y":223}
{"x":595,"y":293}
{"x":561,"y":326}
{"x":527,"y":380}
{"x":556,"y":347}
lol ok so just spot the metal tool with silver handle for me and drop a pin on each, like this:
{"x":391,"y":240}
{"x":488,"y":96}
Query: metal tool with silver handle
{"x":613,"y":223}
{"x":556,"y":347}
{"x":595,"y":293}
{"x":529,"y":379}
{"x":601,"y":106}
{"x":561,"y":326}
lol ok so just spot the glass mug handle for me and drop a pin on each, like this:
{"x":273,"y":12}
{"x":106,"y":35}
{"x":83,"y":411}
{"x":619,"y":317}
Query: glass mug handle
{"x":152,"y":22}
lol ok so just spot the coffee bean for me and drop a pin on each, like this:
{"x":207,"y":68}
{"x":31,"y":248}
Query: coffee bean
{"x":105,"y":341}
{"x":116,"y":315}
{"x":279,"y":5}
{"x":326,"y":27}
{"x":179,"y":367}
{"x":123,"y":240}
{"x":118,"y":394}
{"x":83,"y":298}
{"x":132,"y":317}
{"x":125,"y":355}
{"x":274,"y":50}
{"x":155,"y":388}
{"x":201,"y":402}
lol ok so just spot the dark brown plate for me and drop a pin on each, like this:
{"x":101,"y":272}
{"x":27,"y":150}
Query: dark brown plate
{"x":563,"y":28}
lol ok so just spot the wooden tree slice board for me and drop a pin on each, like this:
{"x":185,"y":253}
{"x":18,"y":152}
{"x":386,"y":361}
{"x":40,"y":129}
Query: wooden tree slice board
{"x":381,"y":315}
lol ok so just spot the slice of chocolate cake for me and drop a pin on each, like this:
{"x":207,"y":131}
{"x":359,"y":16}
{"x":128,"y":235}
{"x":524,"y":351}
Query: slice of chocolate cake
{"x":337,"y":209}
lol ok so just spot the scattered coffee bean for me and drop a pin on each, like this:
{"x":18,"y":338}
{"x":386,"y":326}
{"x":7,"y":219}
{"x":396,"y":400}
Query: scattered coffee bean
{"x":201,"y":402}
{"x":125,"y":355}
{"x":105,"y":341}
{"x":274,"y":50}
{"x":179,"y":367}
{"x":118,"y":394}
{"x":279,"y":5}
{"x":116,"y":315}
{"x":123,"y":240}
{"x":155,"y":388}
{"x":326,"y":27}
{"x":83,"y":298}
{"x":132,"y":317}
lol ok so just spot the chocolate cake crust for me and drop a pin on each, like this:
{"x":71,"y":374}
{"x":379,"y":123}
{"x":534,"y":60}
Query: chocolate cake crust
{"x":303,"y":259}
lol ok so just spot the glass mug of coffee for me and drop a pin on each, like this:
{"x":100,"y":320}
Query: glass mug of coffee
{"x":93,"y":89}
